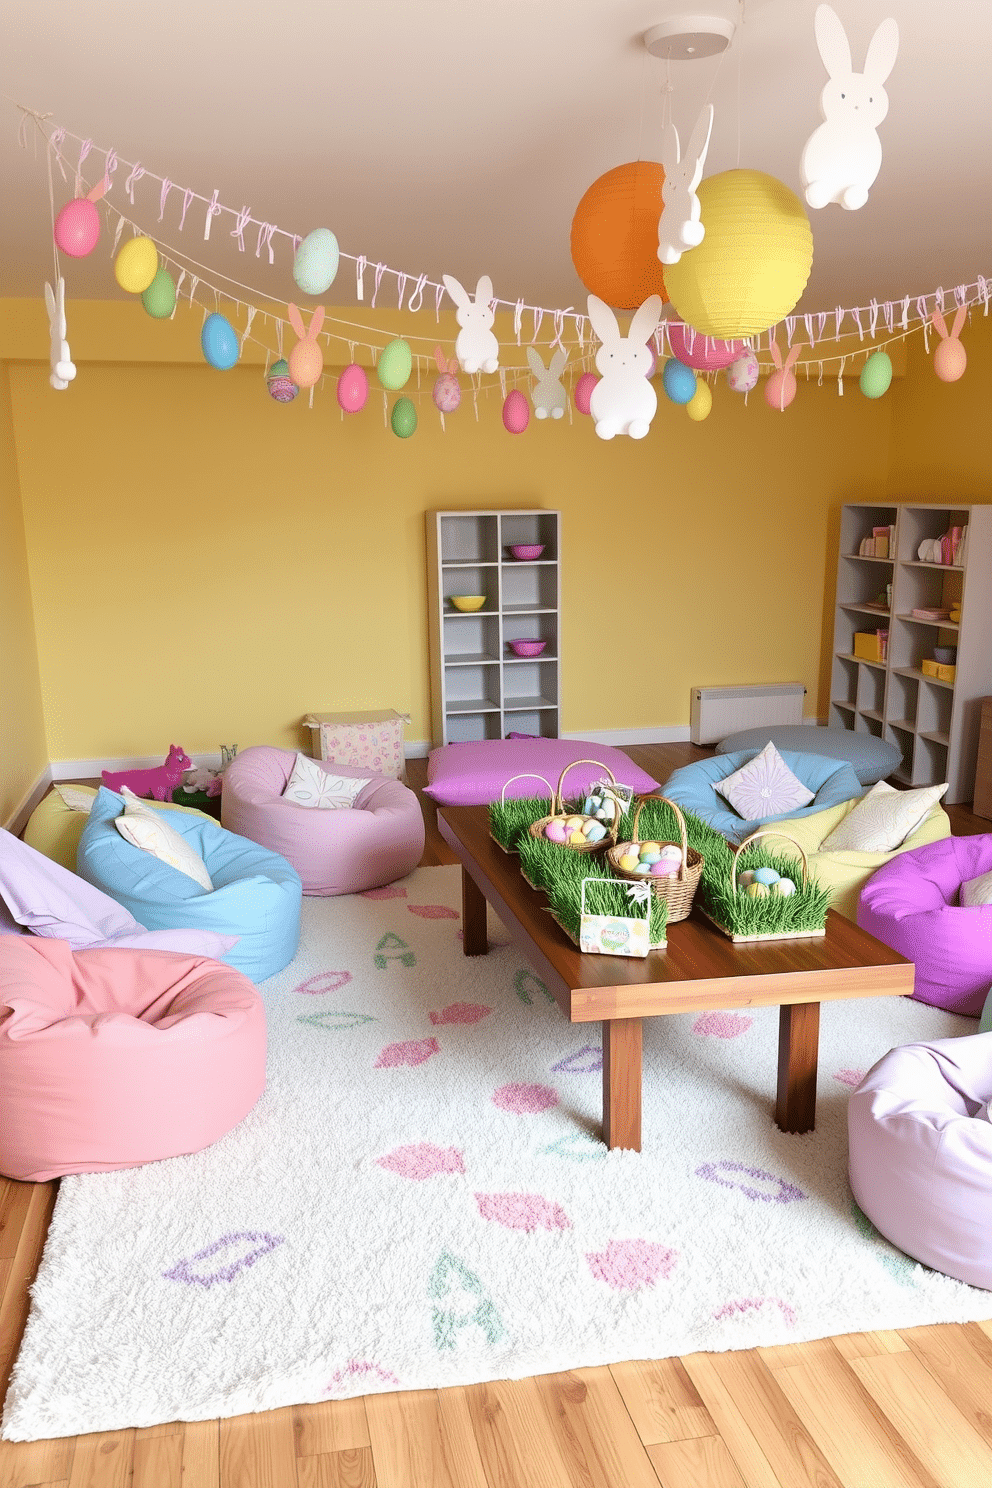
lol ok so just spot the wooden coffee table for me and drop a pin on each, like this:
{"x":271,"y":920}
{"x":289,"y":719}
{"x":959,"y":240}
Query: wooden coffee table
{"x":701,"y":969}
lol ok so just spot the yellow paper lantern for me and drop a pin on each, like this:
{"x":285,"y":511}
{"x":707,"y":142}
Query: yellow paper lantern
{"x":699,"y":405}
{"x":752,"y":266}
{"x":614,"y":238}
{"x":136,"y":265}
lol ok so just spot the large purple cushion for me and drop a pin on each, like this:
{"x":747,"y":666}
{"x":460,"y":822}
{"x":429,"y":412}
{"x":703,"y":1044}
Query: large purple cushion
{"x":345,"y":851}
{"x":475,"y":774}
{"x":920,"y":1153}
{"x":912,"y":905}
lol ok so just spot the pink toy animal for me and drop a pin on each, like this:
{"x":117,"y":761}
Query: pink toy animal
{"x":159,"y":783}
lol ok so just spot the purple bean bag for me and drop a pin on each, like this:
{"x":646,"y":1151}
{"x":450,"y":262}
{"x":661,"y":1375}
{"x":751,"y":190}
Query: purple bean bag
{"x":920,"y":1153}
{"x":378,"y":839}
{"x":474,"y":774}
{"x":911,"y":904}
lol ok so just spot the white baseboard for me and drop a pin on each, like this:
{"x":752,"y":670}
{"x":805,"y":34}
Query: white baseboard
{"x":675,"y":733}
{"x":91,"y":769}
{"x":417,"y":748}
{"x":17,"y":820}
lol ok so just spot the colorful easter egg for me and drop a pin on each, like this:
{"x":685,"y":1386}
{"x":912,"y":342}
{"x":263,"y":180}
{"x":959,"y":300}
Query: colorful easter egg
{"x":628,"y":863}
{"x":783,"y":886}
{"x":555,"y":831}
{"x":742,"y":374}
{"x":353,"y":388}
{"x":678,"y":380}
{"x":876,"y":375}
{"x":699,"y":405}
{"x":279,"y":383}
{"x":77,"y":227}
{"x":395,"y":365}
{"x":516,"y":412}
{"x":219,"y":342}
{"x":583,"y":391}
{"x":757,"y":891}
{"x":159,"y":299}
{"x":766,"y":876}
{"x":136,"y":265}
{"x":664,"y":868}
{"x":403,"y":419}
{"x":447,"y":393}
{"x":316,"y":261}
{"x":745,"y":878}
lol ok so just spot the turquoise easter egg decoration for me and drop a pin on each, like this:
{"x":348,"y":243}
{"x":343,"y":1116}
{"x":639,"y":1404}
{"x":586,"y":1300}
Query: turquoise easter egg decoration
{"x":876,"y":374}
{"x":395,"y":365}
{"x":403,"y":419}
{"x":219,"y":342}
{"x":678,"y":380}
{"x":159,"y":299}
{"x":316,"y":261}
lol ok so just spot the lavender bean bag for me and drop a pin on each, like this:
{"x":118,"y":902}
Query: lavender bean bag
{"x":343,"y":851}
{"x":920,"y":1153}
{"x":912,"y":905}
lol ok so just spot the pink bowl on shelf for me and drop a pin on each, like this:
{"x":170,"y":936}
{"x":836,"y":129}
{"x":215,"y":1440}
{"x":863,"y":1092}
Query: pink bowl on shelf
{"x":527,"y":647}
{"x":527,"y":552}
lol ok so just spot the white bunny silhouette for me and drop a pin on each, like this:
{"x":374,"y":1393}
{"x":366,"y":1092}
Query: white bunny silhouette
{"x":549,"y":396}
{"x":623,"y":401}
{"x":841,"y":158}
{"x":63,"y":368}
{"x":680,"y":227}
{"x":476,"y":347}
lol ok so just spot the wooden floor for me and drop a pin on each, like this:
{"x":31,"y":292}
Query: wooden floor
{"x":907,"y":1409}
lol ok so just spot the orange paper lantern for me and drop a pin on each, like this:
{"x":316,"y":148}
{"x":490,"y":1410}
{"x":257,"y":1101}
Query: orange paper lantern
{"x":614,"y":238}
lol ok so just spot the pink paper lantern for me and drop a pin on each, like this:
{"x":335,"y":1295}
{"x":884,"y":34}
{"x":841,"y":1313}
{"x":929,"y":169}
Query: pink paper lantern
{"x":583,"y":391}
{"x":704,"y":353}
{"x":516,"y":412}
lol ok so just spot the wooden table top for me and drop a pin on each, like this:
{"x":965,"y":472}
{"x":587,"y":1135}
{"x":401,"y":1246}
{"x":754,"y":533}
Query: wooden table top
{"x":700,"y":969}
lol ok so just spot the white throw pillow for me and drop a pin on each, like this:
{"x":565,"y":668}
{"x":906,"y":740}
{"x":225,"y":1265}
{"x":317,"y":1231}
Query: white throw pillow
{"x":144,"y":827}
{"x":309,"y":785}
{"x":76,"y":799}
{"x":764,"y":787}
{"x":975,"y":891}
{"x":883,"y":819}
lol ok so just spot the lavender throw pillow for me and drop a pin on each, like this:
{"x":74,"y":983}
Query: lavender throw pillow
{"x":764,"y":787}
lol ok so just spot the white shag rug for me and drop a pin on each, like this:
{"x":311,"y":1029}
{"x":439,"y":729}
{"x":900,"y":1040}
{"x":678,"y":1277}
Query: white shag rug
{"x":421,"y":1198}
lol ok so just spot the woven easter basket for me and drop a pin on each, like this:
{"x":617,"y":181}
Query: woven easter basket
{"x":771,"y":934}
{"x":558,"y":813}
{"x":679,"y":890}
{"x":525,"y":775}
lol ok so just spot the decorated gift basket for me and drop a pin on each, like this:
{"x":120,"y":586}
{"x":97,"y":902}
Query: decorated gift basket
{"x":591,"y":829}
{"x":672,"y":870}
{"x":765,"y":903}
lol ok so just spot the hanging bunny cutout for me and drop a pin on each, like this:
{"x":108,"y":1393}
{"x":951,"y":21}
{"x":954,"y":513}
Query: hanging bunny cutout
{"x":476,"y":347}
{"x":950,"y":357}
{"x":780,"y":389}
{"x":679,"y":227}
{"x":841,"y":159}
{"x":548,"y":396}
{"x":623,"y":400}
{"x":306,"y":360}
{"x":63,"y":369}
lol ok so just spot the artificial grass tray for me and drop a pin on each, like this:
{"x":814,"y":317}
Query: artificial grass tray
{"x":558,"y":873}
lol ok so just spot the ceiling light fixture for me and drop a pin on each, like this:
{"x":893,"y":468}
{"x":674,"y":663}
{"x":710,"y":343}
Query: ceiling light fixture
{"x":687,"y":37}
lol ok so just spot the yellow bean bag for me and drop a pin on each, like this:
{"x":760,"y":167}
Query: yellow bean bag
{"x":54,"y":828}
{"x":846,"y":873}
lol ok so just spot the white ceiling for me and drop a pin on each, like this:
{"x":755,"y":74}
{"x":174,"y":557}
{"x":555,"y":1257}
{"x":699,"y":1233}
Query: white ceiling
{"x":459,"y":135}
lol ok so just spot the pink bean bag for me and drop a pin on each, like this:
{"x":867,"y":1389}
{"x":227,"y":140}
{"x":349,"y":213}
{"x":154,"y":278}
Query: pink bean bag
{"x":920,"y":1159}
{"x":342,"y":851}
{"x":911,"y":904}
{"x":111,"y":1058}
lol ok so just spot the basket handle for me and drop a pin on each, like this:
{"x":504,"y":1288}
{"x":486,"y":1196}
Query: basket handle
{"x":571,"y":766}
{"x":680,"y":819}
{"x":527,"y":775}
{"x":766,"y":832}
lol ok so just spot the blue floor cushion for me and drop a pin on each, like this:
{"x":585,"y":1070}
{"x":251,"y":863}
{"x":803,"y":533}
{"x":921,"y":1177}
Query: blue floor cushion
{"x":873,"y":759}
{"x":693,"y":788}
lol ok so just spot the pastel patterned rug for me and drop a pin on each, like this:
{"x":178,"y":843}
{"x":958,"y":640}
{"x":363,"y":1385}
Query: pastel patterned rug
{"x":421,"y":1198}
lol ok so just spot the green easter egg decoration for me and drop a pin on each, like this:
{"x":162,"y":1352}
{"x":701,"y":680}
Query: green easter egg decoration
{"x":395,"y":365}
{"x":159,"y":299}
{"x":876,"y":374}
{"x":403,"y":419}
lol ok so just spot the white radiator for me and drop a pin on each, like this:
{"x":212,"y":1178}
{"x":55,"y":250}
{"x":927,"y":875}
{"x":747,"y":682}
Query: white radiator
{"x":718,"y":711}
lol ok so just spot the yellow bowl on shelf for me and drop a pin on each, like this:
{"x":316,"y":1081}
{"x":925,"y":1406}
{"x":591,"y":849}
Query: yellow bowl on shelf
{"x":468,"y":601}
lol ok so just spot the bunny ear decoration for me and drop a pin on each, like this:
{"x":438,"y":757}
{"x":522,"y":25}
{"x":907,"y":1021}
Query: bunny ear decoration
{"x":939,"y":324}
{"x":645,"y":320}
{"x":484,"y":290}
{"x":316,"y":321}
{"x":832,"y":42}
{"x":536,"y":365}
{"x":882,"y":51}
{"x":439,"y":357}
{"x":776,"y":354}
{"x":558,"y":362}
{"x":959,"y":321}
{"x":455,"y":290}
{"x":793,"y":356}
{"x":699,"y":143}
{"x":602,"y":319}
{"x":296,"y":321}
{"x":98,"y":191}
{"x":671,"y":150}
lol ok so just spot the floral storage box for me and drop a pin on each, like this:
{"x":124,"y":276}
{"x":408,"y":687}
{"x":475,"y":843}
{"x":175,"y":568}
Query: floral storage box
{"x":368,"y":741}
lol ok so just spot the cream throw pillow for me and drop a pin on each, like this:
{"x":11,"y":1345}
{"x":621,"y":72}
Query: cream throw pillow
{"x":76,"y":799}
{"x":975,"y":891}
{"x":309,"y":785}
{"x":883,"y":819}
{"x":764,"y":787}
{"x":144,"y":827}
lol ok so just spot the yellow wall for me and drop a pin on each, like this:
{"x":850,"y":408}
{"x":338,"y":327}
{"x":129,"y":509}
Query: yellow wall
{"x":940,"y":440}
{"x":208,"y":565}
{"x":23,"y":748}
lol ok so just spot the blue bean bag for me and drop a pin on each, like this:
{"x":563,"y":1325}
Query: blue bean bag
{"x":692,"y":788}
{"x":256,"y":894}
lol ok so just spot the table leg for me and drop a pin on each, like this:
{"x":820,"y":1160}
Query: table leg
{"x":475,"y":930}
{"x":622,"y":1045}
{"x":798,"y":1037}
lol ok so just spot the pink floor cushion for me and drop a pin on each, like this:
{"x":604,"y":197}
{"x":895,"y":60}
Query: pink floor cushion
{"x":920,"y":1153}
{"x":112,"y":1058}
{"x":343,"y":850}
{"x":911,"y":904}
{"x":474,"y":774}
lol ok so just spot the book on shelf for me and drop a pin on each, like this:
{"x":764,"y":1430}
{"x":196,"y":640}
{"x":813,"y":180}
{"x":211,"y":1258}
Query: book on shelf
{"x":924,"y":613}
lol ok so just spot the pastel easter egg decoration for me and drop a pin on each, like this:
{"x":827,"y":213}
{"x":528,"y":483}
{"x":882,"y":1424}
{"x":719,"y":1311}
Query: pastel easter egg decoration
{"x":447,"y":392}
{"x":766,"y":875}
{"x":678,"y":380}
{"x":219,"y":342}
{"x":353,"y":388}
{"x":753,"y":262}
{"x":780,"y":389}
{"x":742,"y":374}
{"x":757,"y":890}
{"x":77,"y":227}
{"x":876,"y":375}
{"x":159,"y":299}
{"x":516,"y":412}
{"x":281,"y":386}
{"x":784,"y":887}
{"x":395,"y":365}
{"x":136,"y":265}
{"x":403,"y":419}
{"x":704,"y":353}
{"x":306,"y":360}
{"x":614,"y":235}
{"x":950,"y":358}
{"x":583,"y":391}
{"x":699,"y":405}
{"x":316,"y":261}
